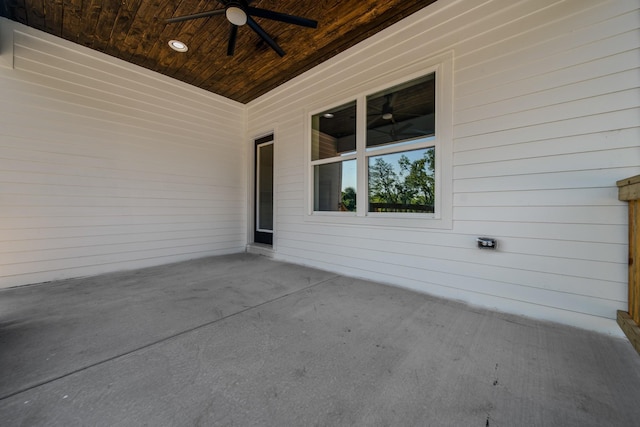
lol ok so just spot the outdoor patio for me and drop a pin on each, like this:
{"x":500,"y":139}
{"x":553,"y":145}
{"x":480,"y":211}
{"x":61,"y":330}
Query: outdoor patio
{"x":245,"y":340}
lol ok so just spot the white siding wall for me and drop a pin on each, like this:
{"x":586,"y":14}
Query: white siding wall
{"x":106,"y":166}
{"x":546,"y":119}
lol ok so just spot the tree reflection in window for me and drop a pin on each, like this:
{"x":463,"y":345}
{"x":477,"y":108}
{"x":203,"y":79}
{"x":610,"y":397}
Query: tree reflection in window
{"x":402,"y":182}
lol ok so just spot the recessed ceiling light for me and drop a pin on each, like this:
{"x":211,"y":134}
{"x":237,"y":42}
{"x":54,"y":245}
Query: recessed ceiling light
{"x":328,"y":115}
{"x":178,"y":46}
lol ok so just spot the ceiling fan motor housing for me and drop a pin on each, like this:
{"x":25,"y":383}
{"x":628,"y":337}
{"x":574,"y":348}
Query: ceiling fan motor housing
{"x":236,"y":12}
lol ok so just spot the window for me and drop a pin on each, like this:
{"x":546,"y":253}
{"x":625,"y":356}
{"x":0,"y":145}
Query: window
{"x":384,"y":157}
{"x":333,"y":152}
{"x":399,"y":147}
{"x":402,"y":182}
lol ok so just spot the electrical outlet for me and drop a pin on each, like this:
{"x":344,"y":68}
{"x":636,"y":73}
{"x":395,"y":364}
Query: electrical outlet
{"x":486,"y":243}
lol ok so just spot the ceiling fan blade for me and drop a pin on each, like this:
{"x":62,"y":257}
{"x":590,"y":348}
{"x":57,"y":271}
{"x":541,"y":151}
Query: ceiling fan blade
{"x":258,"y":29}
{"x":282,"y":17}
{"x":233,"y":34}
{"x":404,"y":127}
{"x":195,"y":16}
{"x":371,"y":122}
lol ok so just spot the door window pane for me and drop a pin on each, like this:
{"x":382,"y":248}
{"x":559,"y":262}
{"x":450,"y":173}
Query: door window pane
{"x":265,"y":187}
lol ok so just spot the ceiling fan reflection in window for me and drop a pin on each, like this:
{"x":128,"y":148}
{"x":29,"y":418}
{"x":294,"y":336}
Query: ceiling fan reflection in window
{"x":239,"y":13}
{"x":406,"y":122}
{"x":387,"y":113}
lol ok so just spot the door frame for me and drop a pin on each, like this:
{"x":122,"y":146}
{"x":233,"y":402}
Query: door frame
{"x":261,"y":236}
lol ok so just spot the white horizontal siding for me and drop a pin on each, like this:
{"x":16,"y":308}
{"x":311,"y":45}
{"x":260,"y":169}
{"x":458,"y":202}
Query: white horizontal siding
{"x":105,"y":166}
{"x":546,"y":114}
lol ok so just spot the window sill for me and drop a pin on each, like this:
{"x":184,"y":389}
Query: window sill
{"x":388,"y":220}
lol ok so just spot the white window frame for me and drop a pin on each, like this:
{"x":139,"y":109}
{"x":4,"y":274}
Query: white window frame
{"x":442,"y":66}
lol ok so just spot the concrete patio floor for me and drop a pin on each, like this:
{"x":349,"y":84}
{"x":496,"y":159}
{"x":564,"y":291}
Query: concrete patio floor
{"x":244,"y":340}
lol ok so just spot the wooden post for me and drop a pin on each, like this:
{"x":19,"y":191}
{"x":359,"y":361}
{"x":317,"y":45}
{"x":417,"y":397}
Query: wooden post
{"x":629,"y":191}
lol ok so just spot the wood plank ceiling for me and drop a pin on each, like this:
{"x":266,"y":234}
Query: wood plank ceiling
{"x":135,"y":31}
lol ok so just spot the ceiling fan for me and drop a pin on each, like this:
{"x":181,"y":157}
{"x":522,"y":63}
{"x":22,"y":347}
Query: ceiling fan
{"x":387,"y":112}
{"x":387,"y":108}
{"x":397,"y":125}
{"x":239,"y":13}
